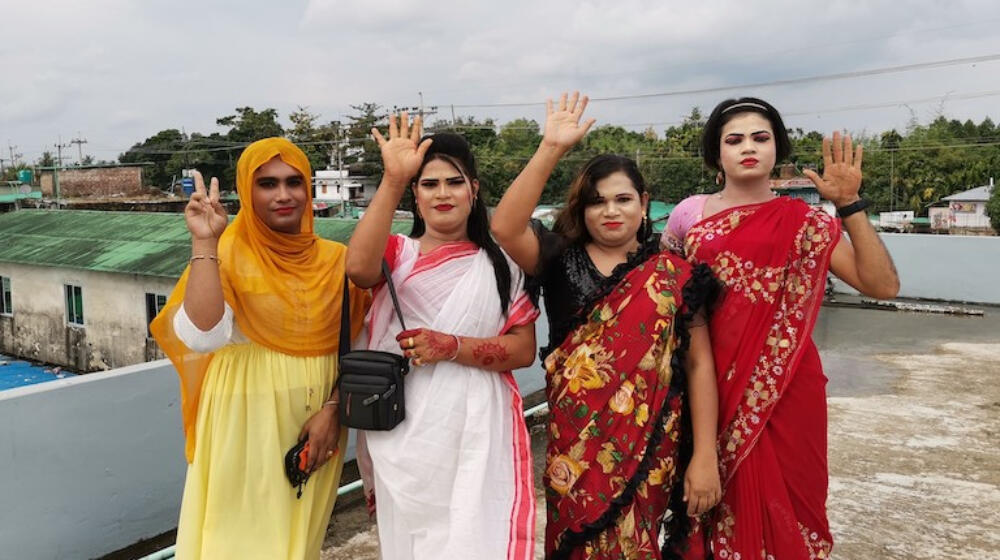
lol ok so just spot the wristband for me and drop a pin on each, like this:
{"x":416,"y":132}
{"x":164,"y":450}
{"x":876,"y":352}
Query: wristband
{"x":853,"y":208}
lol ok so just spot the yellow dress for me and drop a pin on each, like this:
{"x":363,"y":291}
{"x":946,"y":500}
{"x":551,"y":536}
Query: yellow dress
{"x":237,"y":501}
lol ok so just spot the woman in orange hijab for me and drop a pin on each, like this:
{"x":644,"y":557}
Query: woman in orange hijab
{"x":252,"y":328}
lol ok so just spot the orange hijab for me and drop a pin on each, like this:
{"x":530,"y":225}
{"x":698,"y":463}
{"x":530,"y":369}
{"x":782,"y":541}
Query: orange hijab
{"x":285,"y":289}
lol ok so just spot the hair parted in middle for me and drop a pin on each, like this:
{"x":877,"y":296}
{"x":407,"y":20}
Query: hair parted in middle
{"x":454,"y":149}
{"x":583,"y":191}
{"x":725,"y":111}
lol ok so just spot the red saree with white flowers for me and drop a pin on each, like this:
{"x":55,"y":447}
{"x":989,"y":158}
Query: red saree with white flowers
{"x":615,"y":397}
{"x":773,"y":259}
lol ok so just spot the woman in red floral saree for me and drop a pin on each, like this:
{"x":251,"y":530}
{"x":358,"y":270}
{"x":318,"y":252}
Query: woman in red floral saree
{"x":618,"y":437}
{"x":632,"y":411}
{"x":773,"y":255}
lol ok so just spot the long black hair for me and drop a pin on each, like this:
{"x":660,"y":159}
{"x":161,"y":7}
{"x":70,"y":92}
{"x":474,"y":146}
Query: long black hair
{"x":452,"y":148}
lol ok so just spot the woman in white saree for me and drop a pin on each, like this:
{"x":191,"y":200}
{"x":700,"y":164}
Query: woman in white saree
{"x":453,"y":480}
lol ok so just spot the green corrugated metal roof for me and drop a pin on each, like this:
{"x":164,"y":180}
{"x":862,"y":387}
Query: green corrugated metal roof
{"x":150,"y":244}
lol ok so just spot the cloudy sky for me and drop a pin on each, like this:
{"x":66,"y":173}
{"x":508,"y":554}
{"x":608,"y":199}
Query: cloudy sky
{"x":118,"y":71}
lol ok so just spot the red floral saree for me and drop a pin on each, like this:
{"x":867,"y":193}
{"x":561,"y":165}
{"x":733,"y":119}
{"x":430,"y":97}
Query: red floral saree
{"x":615,"y":397}
{"x":773,"y":259}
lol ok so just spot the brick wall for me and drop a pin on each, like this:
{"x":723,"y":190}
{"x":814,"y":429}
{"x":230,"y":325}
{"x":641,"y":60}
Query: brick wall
{"x":94,"y":182}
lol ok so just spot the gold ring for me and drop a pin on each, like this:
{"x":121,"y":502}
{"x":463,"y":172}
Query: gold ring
{"x":410,"y":343}
{"x":329,"y":453}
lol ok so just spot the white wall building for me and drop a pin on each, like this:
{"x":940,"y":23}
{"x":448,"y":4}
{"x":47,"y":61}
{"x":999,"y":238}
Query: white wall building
{"x":337,"y":185}
{"x":966,"y":211}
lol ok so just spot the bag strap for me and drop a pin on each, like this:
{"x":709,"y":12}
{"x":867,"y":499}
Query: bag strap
{"x":392,"y":292}
{"x":345,"y":309}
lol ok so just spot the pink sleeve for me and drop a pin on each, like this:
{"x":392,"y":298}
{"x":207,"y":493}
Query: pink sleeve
{"x":686,"y":214}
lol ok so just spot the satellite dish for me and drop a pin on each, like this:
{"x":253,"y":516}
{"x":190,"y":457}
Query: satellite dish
{"x":25,"y":189}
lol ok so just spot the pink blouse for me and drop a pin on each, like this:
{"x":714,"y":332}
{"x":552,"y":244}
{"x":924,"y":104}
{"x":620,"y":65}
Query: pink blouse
{"x":686,"y":214}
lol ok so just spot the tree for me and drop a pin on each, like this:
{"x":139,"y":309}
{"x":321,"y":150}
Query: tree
{"x":249,"y":125}
{"x":993,"y":209}
{"x":362,"y":154}
{"x":323,"y":144}
{"x":47,"y":159}
{"x":157,"y":149}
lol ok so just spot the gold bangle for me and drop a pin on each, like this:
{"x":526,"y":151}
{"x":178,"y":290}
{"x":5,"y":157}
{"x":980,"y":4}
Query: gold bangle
{"x":205,"y":257}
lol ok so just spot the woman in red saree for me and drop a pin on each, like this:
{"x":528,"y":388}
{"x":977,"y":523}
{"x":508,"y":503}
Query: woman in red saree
{"x":773,"y":255}
{"x":632,"y":403}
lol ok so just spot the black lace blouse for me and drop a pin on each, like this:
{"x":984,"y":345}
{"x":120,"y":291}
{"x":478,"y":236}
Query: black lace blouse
{"x":569,"y":283}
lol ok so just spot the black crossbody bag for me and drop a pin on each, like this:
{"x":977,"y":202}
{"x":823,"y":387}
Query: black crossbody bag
{"x":371,"y":382}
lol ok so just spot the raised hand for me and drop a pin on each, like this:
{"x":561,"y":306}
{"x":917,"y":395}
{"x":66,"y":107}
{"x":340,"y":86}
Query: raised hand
{"x":562,"y":125}
{"x":401,"y":156}
{"x":841,"y":178}
{"x":205,"y":216}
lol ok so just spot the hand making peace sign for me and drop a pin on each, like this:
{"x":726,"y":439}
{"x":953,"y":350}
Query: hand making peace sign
{"x":205,"y":216}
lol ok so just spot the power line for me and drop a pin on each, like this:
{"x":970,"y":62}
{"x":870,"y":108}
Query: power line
{"x":791,"y":81}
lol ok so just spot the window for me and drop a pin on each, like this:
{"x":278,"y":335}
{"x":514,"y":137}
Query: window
{"x":5,"y":302}
{"x":74,"y":305}
{"x":154,"y":303}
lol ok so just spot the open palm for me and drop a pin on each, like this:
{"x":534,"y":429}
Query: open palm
{"x":562,"y":124}
{"x":401,"y":155}
{"x":841,"y":178}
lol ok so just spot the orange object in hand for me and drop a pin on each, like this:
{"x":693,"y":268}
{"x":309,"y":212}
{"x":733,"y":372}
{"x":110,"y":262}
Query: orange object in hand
{"x":304,"y":458}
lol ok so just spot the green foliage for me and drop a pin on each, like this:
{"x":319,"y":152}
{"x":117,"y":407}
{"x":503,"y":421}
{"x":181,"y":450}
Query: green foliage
{"x":47,"y":159}
{"x":993,"y":209}
{"x":248,"y":125}
{"x":903,"y":170}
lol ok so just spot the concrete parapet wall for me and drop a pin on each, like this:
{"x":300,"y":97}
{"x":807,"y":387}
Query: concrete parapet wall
{"x":947,"y":267}
{"x":91,"y":464}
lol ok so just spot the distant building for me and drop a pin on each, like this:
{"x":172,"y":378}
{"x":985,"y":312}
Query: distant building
{"x":93,"y":181}
{"x":334,"y":186}
{"x":963,"y":212}
{"x":788,"y":184}
{"x":79,"y":288}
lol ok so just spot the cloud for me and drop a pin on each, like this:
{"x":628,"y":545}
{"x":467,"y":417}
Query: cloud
{"x":119,"y":71}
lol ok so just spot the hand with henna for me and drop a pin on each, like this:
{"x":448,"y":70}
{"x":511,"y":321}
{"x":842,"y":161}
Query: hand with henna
{"x":424,"y":346}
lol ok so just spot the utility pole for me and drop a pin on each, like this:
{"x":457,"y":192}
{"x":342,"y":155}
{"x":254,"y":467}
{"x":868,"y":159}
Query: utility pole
{"x":420,"y":110}
{"x":892,"y":180}
{"x":55,"y":172}
{"x":13,"y":158}
{"x":59,"y":148}
{"x":79,"y":146}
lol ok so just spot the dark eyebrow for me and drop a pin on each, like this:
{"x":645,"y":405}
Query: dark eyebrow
{"x":762,"y":132}
{"x":267,"y":178}
{"x":436,"y":179}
